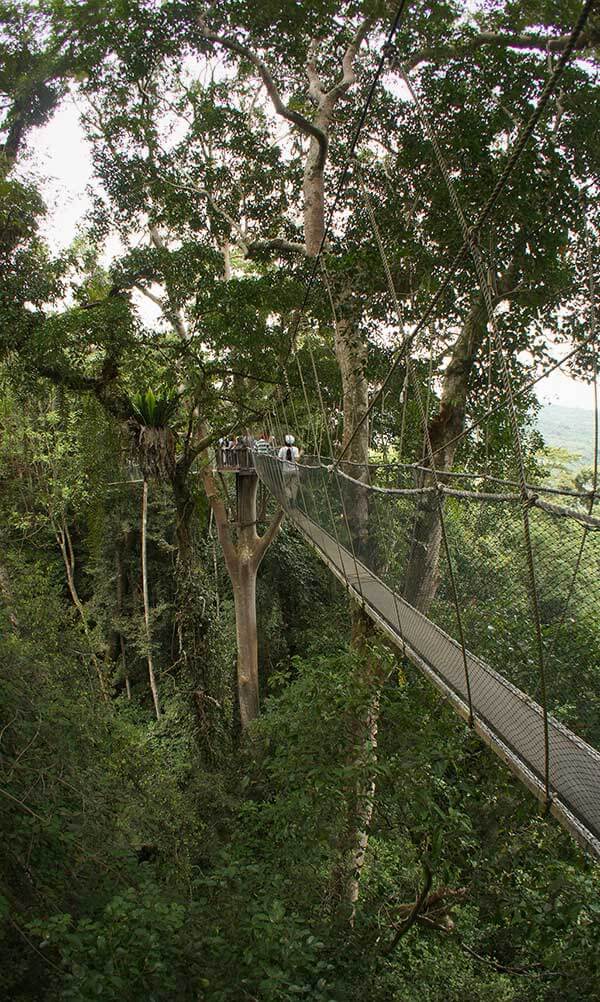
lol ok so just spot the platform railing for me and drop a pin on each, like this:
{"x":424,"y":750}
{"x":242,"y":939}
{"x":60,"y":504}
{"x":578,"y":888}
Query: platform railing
{"x":239,"y":459}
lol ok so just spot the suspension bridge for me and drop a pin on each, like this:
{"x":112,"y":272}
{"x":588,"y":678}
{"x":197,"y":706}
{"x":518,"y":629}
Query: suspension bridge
{"x":512,"y":566}
{"x":560,"y":768}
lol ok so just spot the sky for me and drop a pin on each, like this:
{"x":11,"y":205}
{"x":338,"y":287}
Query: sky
{"x":60,"y":157}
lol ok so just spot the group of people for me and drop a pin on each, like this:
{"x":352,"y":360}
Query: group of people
{"x":265,"y":444}
{"x":289,"y":451}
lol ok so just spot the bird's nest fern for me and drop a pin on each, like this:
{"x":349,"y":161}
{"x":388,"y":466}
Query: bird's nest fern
{"x":152,"y":440}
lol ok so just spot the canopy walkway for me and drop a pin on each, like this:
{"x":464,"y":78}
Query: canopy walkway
{"x":504,"y":716}
{"x":487,"y":582}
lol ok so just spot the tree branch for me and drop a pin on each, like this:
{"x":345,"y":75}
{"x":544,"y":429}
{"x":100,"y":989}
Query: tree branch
{"x":190,"y":455}
{"x":235,"y":226}
{"x":315,"y":89}
{"x":414,"y":914}
{"x":348,"y":76}
{"x":116,"y":404}
{"x":173,"y":314}
{"x":274,"y":244}
{"x":267,"y":538}
{"x":66,"y":377}
{"x":248,"y":248}
{"x":535,"y":42}
{"x":219,"y":370}
{"x":300,"y":121}
{"x":149,"y":295}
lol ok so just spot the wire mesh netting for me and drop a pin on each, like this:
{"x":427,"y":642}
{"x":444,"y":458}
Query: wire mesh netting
{"x":461,"y":606}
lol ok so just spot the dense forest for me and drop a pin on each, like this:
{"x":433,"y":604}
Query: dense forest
{"x":218,"y":779}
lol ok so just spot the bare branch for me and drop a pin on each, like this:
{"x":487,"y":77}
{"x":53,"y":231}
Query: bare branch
{"x":20,"y":803}
{"x":415,"y":911}
{"x":235,"y":226}
{"x":149,"y":295}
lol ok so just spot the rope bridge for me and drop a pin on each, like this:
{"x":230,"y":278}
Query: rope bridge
{"x":488,"y":583}
{"x":485,"y":681}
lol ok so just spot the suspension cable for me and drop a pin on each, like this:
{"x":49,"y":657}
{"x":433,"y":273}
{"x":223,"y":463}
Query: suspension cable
{"x":333,"y":520}
{"x":519,"y":392}
{"x":336,"y":472}
{"x":592,"y":496}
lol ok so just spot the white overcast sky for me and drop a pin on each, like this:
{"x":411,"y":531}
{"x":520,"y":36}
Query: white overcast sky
{"x":60,"y":157}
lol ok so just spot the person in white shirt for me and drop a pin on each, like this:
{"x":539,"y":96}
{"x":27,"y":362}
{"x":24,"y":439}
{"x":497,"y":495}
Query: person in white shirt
{"x":289,"y":454}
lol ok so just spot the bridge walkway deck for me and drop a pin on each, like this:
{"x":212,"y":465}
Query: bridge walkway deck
{"x":505,"y":717}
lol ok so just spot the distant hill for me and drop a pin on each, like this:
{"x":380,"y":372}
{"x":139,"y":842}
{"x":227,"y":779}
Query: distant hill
{"x":570,"y":428}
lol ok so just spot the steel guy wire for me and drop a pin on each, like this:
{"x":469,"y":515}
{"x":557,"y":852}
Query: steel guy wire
{"x":592,"y":302}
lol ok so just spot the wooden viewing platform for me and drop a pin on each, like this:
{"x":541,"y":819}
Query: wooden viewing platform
{"x":239,"y":459}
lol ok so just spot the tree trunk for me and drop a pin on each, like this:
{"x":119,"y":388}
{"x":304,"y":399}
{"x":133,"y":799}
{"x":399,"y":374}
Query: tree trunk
{"x":244,"y":594}
{"x":423,"y":570}
{"x":351,"y":353}
{"x":314,"y":199}
{"x":365,"y":758}
{"x":243,"y":556}
{"x":65,"y":543}
{"x":121,"y":579}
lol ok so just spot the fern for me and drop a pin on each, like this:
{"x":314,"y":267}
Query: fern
{"x":154,"y":410}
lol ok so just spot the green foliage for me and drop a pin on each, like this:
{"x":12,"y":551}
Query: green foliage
{"x":161,"y":860}
{"x":154,"y":410}
{"x":136,"y":948}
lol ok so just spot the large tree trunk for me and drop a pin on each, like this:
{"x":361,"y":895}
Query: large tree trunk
{"x":423,"y":568}
{"x":243,"y":556}
{"x":314,"y":200}
{"x":360,"y":797}
{"x":244,"y":595}
{"x":351,"y":353}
